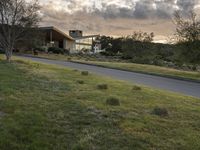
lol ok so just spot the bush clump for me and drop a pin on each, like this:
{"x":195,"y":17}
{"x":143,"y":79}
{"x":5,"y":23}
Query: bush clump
{"x":162,"y":112}
{"x":136,"y":88}
{"x":85,"y":73}
{"x":113,"y":101}
{"x":102,"y":86}
{"x":2,"y":51}
{"x":41,"y":49}
{"x":55,"y":50}
{"x":69,"y":59}
{"x":80,"y":81}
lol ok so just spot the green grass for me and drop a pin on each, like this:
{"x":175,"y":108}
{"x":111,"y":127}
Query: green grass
{"x":42,"y":107}
{"x":152,"y":69}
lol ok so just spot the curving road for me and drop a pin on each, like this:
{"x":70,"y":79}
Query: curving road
{"x":184,"y":87}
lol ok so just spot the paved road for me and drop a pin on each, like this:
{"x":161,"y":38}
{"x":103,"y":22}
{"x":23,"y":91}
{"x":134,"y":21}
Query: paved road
{"x":175,"y":85}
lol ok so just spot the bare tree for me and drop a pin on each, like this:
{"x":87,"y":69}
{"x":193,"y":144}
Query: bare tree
{"x":187,"y":28}
{"x":16,"y":19}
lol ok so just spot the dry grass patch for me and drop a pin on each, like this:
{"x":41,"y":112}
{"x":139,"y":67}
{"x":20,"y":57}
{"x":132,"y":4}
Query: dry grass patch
{"x":85,"y":73}
{"x":136,"y":88}
{"x":80,"y":81}
{"x":162,"y":112}
{"x":113,"y":101}
{"x":102,"y":86}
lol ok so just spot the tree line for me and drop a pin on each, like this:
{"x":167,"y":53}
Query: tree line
{"x":139,"y":46}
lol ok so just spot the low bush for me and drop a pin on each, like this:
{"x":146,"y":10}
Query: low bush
{"x":69,"y":59}
{"x":2,"y":51}
{"x":113,"y":101}
{"x":106,"y":53}
{"x":55,"y":50}
{"x":66,"y":51}
{"x":35,"y":52}
{"x":141,"y":60}
{"x":136,"y":88}
{"x":162,"y":112}
{"x":102,"y":86}
{"x":40,"y":49}
{"x":85,"y":73}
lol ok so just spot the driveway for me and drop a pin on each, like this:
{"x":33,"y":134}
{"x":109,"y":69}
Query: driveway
{"x":184,"y":87}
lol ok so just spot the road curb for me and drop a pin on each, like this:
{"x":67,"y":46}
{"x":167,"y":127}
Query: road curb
{"x":141,"y":72}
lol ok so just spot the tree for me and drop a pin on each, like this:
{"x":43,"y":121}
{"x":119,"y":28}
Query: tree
{"x":141,"y":36}
{"x":138,"y":44}
{"x":17,"y":17}
{"x":187,"y":28}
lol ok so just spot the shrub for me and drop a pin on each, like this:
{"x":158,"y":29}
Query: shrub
{"x":56,"y":50}
{"x":80,"y":82}
{"x":66,"y":51}
{"x":69,"y":59}
{"x":194,"y":68}
{"x":106,"y":53}
{"x":142,"y":60}
{"x":85,"y":73}
{"x":40,"y":49}
{"x":102,"y":86}
{"x":136,"y":88}
{"x":162,"y":112}
{"x":113,"y":101}
{"x":2,"y":51}
{"x":35,"y":52}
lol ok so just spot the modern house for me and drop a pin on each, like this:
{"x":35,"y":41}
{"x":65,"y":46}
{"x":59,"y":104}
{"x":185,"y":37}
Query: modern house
{"x":85,"y":43}
{"x":56,"y":38}
{"x":74,"y":42}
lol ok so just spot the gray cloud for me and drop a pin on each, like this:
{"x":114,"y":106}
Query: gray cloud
{"x":187,"y":5}
{"x":114,"y":17}
{"x":144,"y":9}
{"x":162,"y":9}
{"x":139,"y":9}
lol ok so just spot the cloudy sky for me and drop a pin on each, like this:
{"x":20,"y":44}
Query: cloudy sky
{"x":115,"y":17}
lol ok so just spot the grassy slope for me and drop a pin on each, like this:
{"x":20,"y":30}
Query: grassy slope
{"x":133,"y":67}
{"x":43,"y":107}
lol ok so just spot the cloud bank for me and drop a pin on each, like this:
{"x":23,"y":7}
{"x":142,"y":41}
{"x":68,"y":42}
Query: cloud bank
{"x":114,"y":16}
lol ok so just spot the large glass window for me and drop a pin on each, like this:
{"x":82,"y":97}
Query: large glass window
{"x":85,"y":41}
{"x":80,"y":47}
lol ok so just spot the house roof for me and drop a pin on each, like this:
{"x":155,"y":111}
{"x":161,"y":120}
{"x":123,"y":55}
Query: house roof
{"x":85,"y":37}
{"x":59,"y":31}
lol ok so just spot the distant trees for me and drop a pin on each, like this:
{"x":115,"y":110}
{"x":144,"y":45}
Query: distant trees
{"x":122,"y":44}
{"x":138,"y":47}
{"x":16,"y":19}
{"x":188,"y":36}
{"x":141,"y":36}
{"x":188,"y":28}
{"x":110,"y":44}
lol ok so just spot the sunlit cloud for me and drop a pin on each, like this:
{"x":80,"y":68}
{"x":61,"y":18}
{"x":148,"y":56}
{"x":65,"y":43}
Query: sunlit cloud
{"x":115,"y":17}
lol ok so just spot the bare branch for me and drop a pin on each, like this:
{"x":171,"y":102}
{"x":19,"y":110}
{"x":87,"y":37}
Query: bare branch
{"x":16,"y":18}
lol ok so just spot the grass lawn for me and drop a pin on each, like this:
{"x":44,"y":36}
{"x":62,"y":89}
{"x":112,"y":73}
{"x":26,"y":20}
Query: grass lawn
{"x":152,"y":69}
{"x":46,"y":107}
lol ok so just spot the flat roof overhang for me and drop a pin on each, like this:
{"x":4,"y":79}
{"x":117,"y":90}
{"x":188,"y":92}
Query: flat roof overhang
{"x":86,"y":37}
{"x":57,"y":35}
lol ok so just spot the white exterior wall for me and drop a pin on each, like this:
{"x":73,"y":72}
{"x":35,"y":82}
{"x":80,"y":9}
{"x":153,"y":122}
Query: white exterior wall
{"x":70,"y":45}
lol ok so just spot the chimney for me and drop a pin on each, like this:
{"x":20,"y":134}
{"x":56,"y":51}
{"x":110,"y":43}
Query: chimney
{"x":76,"y":33}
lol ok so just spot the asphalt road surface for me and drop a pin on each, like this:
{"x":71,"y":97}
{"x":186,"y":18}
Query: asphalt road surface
{"x":179,"y":86}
